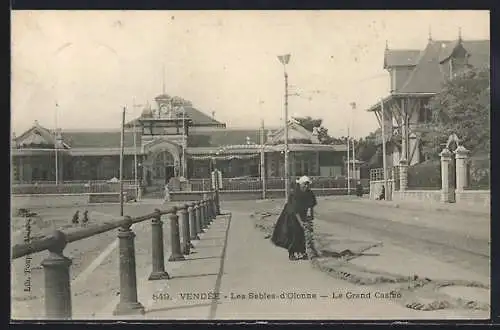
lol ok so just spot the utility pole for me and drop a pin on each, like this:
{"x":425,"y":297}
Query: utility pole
{"x":354,"y":173}
{"x":136,"y":181}
{"x":56,"y":145}
{"x":121,"y":160}
{"x":184,"y":142}
{"x":262,"y":160}
{"x":348,"y":165}
{"x":287,"y":179}
{"x":384,"y":158}
{"x":284,"y":59}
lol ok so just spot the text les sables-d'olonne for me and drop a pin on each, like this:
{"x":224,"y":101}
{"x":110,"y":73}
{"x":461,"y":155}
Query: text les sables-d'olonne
{"x":349,"y":295}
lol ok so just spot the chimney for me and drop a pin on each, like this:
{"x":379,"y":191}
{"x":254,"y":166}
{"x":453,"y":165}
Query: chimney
{"x":213,"y":114}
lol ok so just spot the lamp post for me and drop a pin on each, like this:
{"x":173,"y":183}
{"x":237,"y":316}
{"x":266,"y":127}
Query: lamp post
{"x":284,"y":59}
{"x":384,"y":156}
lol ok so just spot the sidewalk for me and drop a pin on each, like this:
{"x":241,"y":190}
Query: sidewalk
{"x":249,"y":274}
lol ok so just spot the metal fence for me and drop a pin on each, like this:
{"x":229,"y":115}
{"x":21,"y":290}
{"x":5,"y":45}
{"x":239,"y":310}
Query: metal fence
{"x":273,"y":183}
{"x":69,"y":187}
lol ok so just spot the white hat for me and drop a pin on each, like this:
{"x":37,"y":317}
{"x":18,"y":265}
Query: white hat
{"x":304,"y":179}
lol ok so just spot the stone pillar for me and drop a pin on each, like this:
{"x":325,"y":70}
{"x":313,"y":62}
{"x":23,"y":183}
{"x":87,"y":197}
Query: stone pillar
{"x":186,"y":242}
{"x":128,"y":278}
{"x":158,"y":260}
{"x":192,"y":222}
{"x":175,"y":239}
{"x":445,"y":185}
{"x":403,"y":174}
{"x":198,"y":217}
{"x":57,"y":280}
{"x":461,"y":155}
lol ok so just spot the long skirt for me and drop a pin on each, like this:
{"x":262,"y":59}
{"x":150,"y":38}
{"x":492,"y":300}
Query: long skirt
{"x":288,"y":233}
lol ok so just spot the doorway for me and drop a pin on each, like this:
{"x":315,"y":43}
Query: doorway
{"x":169,"y":172}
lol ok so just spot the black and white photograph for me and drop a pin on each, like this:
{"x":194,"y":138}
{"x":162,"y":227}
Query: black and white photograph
{"x":250,"y":165}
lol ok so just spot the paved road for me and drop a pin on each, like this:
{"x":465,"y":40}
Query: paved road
{"x":402,"y":228}
{"x":450,"y":237}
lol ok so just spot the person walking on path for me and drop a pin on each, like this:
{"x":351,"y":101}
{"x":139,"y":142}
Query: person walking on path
{"x":167,"y":193}
{"x":294,"y":227}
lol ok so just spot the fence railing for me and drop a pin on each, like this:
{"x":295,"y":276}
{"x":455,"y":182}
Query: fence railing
{"x":273,"y":183}
{"x":69,"y":187}
{"x":377,"y":174}
{"x":194,"y":217}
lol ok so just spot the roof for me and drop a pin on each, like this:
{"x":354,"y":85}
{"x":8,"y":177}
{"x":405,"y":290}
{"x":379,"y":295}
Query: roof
{"x":478,"y":50}
{"x":401,"y":57}
{"x":226,"y":137}
{"x":197,"y":116}
{"x":99,"y":139}
{"x":427,"y":77}
{"x":295,"y":132}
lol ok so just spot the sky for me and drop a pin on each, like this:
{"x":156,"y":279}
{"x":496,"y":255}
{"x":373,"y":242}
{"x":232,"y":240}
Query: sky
{"x":93,"y":63}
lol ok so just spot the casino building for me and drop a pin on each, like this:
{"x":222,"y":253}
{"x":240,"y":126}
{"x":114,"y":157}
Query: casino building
{"x":169,"y":139}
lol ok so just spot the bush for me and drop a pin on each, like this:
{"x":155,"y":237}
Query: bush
{"x":479,"y":173}
{"x":426,"y":175}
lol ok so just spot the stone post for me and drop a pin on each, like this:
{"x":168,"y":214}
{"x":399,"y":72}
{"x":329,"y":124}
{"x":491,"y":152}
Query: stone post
{"x":211,"y":211}
{"x":403,"y":174}
{"x":461,"y":155}
{"x":203,"y":214}
{"x":175,"y":237}
{"x":158,"y":260}
{"x":186,"y":242}
{"x":128,"y":279}
{"x":57,"y":280}
{"x":192,"y":222}
{"x":207,"y":215}
{"x":445,"y":185}
{"x":198,"y":217}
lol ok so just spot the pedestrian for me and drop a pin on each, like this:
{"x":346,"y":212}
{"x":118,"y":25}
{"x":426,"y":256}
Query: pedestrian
{"x":75,"y":217}
{"x":293,"y":229}
{"x":85,"y":219}
{"x":167,"y":193}
{"x":359,"y":189}
{"x":382,"y":194}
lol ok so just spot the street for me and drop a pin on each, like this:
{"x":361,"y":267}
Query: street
{"x":440,"y":235}
{"x":441,"y":248}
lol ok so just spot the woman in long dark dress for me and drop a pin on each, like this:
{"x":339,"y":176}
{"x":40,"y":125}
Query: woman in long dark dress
{"x":295,"y":221}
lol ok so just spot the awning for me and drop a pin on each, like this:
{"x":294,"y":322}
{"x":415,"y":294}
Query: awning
{"x":224,"y":157}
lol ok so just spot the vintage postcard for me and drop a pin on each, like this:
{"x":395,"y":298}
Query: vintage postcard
{"x":250,"y":165}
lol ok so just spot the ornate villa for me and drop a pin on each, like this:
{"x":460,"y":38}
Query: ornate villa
{"x":415,"y":76}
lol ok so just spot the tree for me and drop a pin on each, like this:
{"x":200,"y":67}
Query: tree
{"x":462,"y":108}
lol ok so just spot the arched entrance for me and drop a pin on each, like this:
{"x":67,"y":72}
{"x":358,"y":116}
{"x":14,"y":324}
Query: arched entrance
{"x":163,"y":167}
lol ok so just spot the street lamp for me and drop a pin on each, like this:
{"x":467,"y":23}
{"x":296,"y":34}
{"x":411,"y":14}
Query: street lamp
{"x":284,"y":59}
